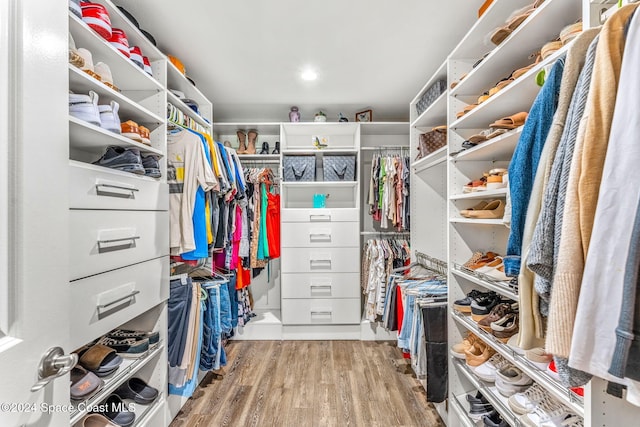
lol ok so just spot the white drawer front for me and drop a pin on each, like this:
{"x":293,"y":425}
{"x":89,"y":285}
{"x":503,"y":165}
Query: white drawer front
{"x":320,"y":215}
{"x":93,"y":189}
{"x":320,"y":311}
{"x":320,"y":260}
{"x":319,"y":235}
{"x":106,"y":301}
{"x":319,"y":285}
{"x":106,"y":240}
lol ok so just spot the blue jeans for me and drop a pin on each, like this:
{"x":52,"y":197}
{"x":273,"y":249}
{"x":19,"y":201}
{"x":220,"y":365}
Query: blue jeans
{"x":233,"y":299}
{"x":407,"y":321}
{"x":178,"y":316}
{"x":212,"y":355}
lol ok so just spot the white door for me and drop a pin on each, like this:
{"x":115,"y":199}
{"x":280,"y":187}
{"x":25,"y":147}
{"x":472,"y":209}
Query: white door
{"x":34,"y":290}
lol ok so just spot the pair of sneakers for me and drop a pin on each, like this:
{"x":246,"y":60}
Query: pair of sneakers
{"x":130,"y":160}
{"x":86,"y":108}
{"x":537,"y":408}
{"x":481,"y":410}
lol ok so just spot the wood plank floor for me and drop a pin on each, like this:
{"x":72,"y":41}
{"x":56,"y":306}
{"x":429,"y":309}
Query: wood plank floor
{"x":310,"y":383}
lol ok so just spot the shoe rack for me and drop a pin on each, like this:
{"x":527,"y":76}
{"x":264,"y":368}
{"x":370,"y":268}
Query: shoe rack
{"x":438,"y":197}
{"x":125,"y":274}
{"x":466,"y":235}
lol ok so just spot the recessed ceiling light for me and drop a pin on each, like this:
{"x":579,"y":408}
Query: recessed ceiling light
{"x":309,"y":75}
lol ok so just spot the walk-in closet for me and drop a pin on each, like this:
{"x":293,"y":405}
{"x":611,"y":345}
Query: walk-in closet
{"x":287,"y":213}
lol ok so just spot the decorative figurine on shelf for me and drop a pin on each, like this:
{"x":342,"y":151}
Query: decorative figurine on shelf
{"x":342,"y":118}
{"x":294,"y":115}
{"x":320,"y":142}
{"x":320,"y":117}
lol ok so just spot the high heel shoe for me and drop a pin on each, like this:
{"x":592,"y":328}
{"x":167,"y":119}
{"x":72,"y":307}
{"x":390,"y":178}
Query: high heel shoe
{"x":265,"y":148}
{"x":277,"y":149}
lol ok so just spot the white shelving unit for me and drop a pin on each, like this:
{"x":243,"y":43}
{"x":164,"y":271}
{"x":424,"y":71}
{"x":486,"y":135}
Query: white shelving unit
{"x":100,"y":200}
{"x":466,"y":235}
{"x":320,"y":298}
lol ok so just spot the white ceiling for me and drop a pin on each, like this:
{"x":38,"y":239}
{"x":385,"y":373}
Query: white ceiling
{"x":247,"y":55}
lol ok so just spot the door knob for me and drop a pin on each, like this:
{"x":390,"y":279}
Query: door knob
{"x":54,"y":364}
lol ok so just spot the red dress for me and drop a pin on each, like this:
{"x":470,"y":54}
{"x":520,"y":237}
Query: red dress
{"x":273,"y":224}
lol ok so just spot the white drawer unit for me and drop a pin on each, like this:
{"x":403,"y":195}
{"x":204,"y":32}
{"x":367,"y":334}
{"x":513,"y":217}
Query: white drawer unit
{"x":319,"y":215}
{"x":321,"y":311}
{"x":105,"y":240}
{"x":103,"y":302}
{"x":320,"y":285}
{"x":93,"y":187}
{"x":320,"y":260}
{"x":321,"y":235}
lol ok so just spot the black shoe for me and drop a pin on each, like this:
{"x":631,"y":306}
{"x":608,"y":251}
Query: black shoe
{"x":277,"y":149}
{"x":494,"y":420}
{"x":265,"y":148}
{"x":464,"y":305}
{"x":116,"y":411}
{"x":126,"y":347}
{"x":477,"y":412}
{"x":482,"y":306}
{"x":137,"y":390}
{"x":478,"y":399}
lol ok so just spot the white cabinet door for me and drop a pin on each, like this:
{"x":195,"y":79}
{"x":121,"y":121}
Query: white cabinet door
{"x":34,"y":290}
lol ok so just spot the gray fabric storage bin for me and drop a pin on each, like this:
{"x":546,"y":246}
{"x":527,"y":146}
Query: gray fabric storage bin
{"x":430,"y":95}
{"x":339,"y":168}
{"x":299,"y":168}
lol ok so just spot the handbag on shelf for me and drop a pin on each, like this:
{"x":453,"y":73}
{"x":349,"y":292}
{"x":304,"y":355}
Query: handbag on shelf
{"x":431,"y":141}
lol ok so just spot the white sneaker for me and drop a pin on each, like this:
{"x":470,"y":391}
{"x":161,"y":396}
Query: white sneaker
{"x":487,"y":371}
{"x":511,"y":380}
{"x":109,"y":117}
{"x":526,"y":402}
{"x":538,"y":358}
{"x":85,"y":107}
{"x":548,"y":413}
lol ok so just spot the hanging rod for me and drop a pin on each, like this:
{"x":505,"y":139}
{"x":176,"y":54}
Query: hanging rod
{"x":431,"y":263}
{"x":386,"y":147}
{"x":384,"y":233}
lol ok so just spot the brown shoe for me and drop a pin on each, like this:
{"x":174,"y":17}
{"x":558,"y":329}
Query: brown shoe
{"x":242,"y":140}
{"x":478,"y":353}
{"x":252,"y":137}
{"x":497,"y":313}
{"x":505,"y":328}
{"x":458,"y":350}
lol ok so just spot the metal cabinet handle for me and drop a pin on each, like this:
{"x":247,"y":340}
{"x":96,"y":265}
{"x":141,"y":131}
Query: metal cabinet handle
{"x":109,"y":304}
{"x":321,"y":287}
{"x":123,"y":239}
{"x":119,"y":187}
{"x":319,"y":237}
{"x":321,"y":313}
{"x":320,"y":263}
{"x":313,"y":217}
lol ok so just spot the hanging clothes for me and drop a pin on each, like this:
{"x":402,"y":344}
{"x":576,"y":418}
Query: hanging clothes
{"x":388,"y":193}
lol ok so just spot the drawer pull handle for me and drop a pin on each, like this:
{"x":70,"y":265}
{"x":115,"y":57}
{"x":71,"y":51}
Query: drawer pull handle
{"x":117,"y":187}
{"x":321,"y":313}
{"x":123,"y":239}
{"x":129,"y":296}
{"x":324,"y":290}
{"x":313,"y":217}
{"x":320,"y":263}
{"x":320,"y":237}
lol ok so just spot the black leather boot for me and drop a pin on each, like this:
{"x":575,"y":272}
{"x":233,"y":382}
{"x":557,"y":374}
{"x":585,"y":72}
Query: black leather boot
{"x":265,"y":148}
{"x":277,"y":149}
